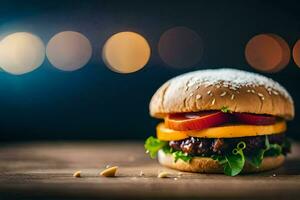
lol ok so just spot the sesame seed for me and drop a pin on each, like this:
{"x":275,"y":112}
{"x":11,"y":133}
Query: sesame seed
{"x":208,"y":92}
{"x":248,"y":91}
{"x":262,"y":98}
{"x":223,"y":94}
{"x":242,"y":81}
{"x":186,"y":89}
{"x":191,"y":94}
{"x":175,"y":179}
{"x":190,"y":84}
{"x":213,"y":101}
{"x":232,"y":97}
{"x":274,"y":92}
{"x":218,"y":86}
{"x":197,"y":87}
{"x":260,"y":94}
{"x":232,"y":88}
{"x":253,"y":91}
{"x":198,"y":96}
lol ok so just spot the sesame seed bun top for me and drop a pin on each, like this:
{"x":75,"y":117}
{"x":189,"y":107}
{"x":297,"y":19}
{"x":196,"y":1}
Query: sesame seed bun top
{"x":239,"y":91}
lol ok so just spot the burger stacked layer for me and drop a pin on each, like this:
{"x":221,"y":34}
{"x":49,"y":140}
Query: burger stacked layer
{"x":224,"y":120}
{"x":229,"y":138}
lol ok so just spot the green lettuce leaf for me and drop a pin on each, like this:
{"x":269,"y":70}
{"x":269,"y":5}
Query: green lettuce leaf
{"x":257,"y":156}
{"x":167,"y":149}
{"x":153,"y":145}
{"x":225,"y":109}
{"x":274,"y":150}
{"x":233,"y":163}
{"x":183,"y":156}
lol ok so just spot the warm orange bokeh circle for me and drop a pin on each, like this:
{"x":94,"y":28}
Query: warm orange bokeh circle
{"x":267,"y":52}
{"x":296,"y":53}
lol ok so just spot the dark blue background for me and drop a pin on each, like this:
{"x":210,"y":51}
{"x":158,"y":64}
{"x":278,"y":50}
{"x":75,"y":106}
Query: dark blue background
{"x":95,"y":102}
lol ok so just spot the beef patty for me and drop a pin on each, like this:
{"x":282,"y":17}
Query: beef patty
{"x":210,"y":146}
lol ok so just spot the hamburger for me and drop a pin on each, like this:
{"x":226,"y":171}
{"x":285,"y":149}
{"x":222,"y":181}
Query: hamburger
{"x":220,"y":121}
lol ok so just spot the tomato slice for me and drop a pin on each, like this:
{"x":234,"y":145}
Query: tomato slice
{"x":254,"y":119}
{"x":196,"y":121}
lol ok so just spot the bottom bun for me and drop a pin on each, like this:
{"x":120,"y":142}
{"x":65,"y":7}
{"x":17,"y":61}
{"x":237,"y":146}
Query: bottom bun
{"x":208,"y":165}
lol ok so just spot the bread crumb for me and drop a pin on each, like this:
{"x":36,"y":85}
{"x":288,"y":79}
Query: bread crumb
{"x":142,"y":173}
{"x":109,"y":172}
{"x":77,"y":174}
{"x":180,"y":173}
{"x":163,"y":175}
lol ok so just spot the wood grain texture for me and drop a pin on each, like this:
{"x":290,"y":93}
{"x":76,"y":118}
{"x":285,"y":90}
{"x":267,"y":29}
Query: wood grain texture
{"x":45,"y":170}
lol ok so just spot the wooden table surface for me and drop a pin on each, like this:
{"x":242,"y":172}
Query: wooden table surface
{"x":38,"y":170}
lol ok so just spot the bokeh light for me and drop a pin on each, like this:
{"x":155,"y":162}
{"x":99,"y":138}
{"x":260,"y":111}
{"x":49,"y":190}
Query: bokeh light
{"x":296,"y":53}
{"x":180,"y":47}
{"x":126,"y":52}
{"x":69,"y":50}
{"x":21,"y":53}
{"x":267,"y":53}
{"x":286,"y":57}
{"x":1,"y":70}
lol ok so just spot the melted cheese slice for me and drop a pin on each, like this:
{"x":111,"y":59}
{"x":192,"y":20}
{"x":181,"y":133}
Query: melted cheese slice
{"x":228,"y":131}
